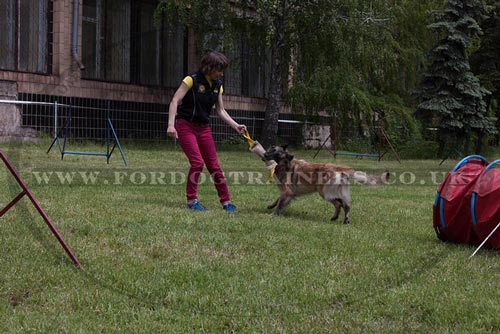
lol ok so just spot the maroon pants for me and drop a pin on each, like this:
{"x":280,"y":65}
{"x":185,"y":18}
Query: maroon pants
{"x":198,"y":144}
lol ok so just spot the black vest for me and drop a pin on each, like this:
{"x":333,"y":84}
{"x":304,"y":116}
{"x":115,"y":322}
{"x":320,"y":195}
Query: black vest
{"x":199,"y":100}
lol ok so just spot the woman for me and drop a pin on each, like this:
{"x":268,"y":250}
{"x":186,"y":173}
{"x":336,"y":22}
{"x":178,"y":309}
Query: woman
{"x":188,"y":122}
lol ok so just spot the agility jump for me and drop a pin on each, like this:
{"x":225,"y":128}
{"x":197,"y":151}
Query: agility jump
{"x":382,"y":138}
{"x":27,"y":192}
{"x":110,"y":131}
{"x":110,"y":135}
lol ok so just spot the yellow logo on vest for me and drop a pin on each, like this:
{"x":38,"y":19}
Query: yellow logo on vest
{"x":201,"y":89}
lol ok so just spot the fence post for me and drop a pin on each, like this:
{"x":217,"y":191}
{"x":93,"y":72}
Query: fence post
{"x":55,"y":119}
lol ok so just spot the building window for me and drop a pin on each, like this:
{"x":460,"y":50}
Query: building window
{"x":120,"y":43}
{"x":249,"y":72}
{"x":24,"y":37}
{"x":91,"y":39}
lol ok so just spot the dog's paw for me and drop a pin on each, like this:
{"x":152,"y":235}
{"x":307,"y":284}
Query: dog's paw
{"x":334,"y":218}
{"x":346,"y":221}
{"x":272,"y":205}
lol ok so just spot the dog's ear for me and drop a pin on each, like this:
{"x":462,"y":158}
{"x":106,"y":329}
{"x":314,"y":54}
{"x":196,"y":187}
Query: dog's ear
{"x":284,"y":147}
{"x":289,"y":157}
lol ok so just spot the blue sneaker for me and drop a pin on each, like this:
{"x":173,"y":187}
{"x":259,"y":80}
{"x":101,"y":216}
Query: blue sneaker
{"x":229,"y":207}
{"x":196,"y":206}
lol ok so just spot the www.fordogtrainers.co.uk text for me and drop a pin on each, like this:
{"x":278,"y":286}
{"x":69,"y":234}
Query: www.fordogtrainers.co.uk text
{"x":165,"y":178}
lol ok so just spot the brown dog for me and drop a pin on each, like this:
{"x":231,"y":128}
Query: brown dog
{"x":331,"y":181}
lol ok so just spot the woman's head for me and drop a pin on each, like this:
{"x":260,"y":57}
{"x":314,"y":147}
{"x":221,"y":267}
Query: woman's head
{"x":214,"y":61}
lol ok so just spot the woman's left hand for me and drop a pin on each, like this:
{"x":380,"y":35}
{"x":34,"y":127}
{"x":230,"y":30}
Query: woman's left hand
{"x":241,"y":128}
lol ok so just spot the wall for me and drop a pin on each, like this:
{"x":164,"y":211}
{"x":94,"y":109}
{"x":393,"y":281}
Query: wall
{"x":316,"y":135}
{"x":10,"y":116}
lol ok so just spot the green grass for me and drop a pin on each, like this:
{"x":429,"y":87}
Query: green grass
{"x":151,"y":266}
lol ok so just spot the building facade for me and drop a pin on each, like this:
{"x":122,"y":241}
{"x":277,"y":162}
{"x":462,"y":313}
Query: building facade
{"x":96,"y":58}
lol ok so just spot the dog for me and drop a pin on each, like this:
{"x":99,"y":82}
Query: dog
{"x":298,"y":177}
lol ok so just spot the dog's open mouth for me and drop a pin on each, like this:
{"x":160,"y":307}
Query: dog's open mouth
{"x":273,"y":153}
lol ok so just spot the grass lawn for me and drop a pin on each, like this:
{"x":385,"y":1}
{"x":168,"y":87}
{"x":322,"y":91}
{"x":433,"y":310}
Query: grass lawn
{"x":151,"y":266}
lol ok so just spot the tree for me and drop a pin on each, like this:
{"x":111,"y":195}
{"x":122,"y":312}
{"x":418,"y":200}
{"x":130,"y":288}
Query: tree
{"x":486,"y":60}
{"x":358,"y":58}
{"x":275,"y":15}
{"x":449,"y":91}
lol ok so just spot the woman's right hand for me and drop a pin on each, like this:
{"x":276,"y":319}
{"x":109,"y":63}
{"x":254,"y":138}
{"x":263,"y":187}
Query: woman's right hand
{"x":172,"y":132}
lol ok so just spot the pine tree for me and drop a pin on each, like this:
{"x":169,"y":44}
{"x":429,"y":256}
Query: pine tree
{"x":449,"y":91}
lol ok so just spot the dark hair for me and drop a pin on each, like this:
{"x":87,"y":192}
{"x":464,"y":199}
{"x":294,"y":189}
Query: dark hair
{"x":214,"y":60}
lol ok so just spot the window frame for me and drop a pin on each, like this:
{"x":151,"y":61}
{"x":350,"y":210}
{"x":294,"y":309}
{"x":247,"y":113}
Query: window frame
{"x":17,"y":61}
{"x":134,"y":65}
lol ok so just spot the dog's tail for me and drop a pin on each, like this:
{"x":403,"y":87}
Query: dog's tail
{"x":370,"y":179}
